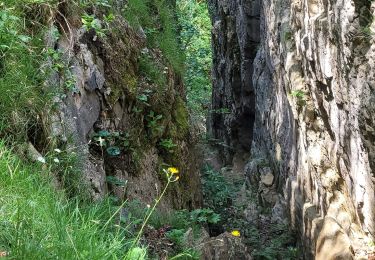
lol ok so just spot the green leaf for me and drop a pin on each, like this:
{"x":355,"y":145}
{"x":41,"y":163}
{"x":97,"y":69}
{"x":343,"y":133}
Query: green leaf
{"x":214,"y":218}
{"x":113,"y":151}
{"x":103,"y":133}
{"x":143,"y":98}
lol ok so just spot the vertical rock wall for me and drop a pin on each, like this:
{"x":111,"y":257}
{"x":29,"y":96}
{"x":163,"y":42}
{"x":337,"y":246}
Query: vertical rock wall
{"x":235,"y":37}
{"x":312,"y":102}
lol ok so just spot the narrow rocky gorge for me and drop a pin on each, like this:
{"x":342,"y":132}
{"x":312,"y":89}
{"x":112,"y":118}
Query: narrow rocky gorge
{"x":297,"y":81}
{"x":104,"y":140}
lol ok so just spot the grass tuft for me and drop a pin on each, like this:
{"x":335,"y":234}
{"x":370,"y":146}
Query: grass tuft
{"x":39,"y":223}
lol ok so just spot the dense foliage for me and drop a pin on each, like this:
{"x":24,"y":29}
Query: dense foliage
{"x":195,"y":26}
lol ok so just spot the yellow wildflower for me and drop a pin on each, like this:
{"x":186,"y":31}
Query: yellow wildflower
{"x":173,"y":170}
{"x":236,"y":233}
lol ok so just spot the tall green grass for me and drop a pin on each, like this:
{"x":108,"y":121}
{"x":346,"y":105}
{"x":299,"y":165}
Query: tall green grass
{"x":36,"y":222}
{"x":159,"y":22}
{"x":20,"y":77}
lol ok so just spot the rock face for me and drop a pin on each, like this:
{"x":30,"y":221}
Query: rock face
{"x":115,"y":118}
{"x":311,"y":101}
{"x":234,"y":50}
{"x":224,"y":247}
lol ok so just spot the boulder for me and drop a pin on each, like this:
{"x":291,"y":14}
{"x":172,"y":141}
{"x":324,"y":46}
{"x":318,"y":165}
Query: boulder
{"x":225,"y":247}
{"x":333,"y":242}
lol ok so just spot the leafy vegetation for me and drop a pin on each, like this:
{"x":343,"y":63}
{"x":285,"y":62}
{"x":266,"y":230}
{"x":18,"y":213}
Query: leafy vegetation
{"x":167,"y":145}
{"x":300,"y":96}
{"x":217,"y":191}
{"x":271,"y":241}
{"x":195,"y":33}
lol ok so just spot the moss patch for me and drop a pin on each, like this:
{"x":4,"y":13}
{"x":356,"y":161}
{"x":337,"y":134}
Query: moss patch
{"x":131,"y":82}
{"x":181,"y":118}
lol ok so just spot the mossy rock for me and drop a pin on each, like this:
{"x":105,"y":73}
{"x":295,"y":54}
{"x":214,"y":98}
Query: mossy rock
{"x":180,"y":120}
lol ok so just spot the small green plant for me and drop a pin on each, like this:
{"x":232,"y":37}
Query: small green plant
{"x":172,"y":175}
{"x":367,"y":32}
{"x":153,"y":121}
{"x":116,"y":181}
{"x":287,"y":35}
{"x":109,"y":18}
{"x":144,"y":97}
{"x":204,"y":216}
{"x":220,"y":111}
{"x":56,"y":56}
{"x":137,"y":110}
{"x":90,"y":22}
{"x":113,"y":142}
{"x":152,"y":71}
{"x":177,"y":236}
{"x":167,"y":145}
{"x":300,"y":96}
{"x":217,"y":191}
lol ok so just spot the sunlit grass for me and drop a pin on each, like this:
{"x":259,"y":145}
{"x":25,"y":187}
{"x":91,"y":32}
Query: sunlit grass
{"x":36,"y":222}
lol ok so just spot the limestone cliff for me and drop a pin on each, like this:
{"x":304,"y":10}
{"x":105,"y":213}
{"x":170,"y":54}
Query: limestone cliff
{"x":306,"y":105}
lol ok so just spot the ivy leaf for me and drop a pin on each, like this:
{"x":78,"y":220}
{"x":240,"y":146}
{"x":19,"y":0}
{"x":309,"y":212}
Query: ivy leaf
{"x":113,"y":151}
{"x":143,"y":98}
{"x":103,"y":133}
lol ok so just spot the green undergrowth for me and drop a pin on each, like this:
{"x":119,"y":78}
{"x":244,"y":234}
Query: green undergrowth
{"x":176,"y":224}
{"x":267,"y":240}
{"x":20,"y":54}
{"x":157,"y":20}
{"x":37,"y":222}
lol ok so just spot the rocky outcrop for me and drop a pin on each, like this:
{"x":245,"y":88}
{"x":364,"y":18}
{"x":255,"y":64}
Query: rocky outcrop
{"x":224,"y":247}
{"x":313,"y":113}
{"x":115,"y":116}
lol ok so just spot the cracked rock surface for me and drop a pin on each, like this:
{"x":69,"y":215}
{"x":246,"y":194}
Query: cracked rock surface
{"x":298,"y":79}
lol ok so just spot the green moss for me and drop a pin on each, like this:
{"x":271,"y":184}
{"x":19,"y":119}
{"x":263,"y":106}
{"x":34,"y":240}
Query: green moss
{"x":115,"y":95}
{"x":181,"y":118}
{"x":131,"y":82}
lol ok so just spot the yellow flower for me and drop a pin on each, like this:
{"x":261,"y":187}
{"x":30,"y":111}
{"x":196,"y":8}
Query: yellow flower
{"x":173,"y":170}
{"x":236,"y":233}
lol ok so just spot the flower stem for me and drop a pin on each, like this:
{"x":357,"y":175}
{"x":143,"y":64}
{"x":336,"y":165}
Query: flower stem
{"x":149,"y":215}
